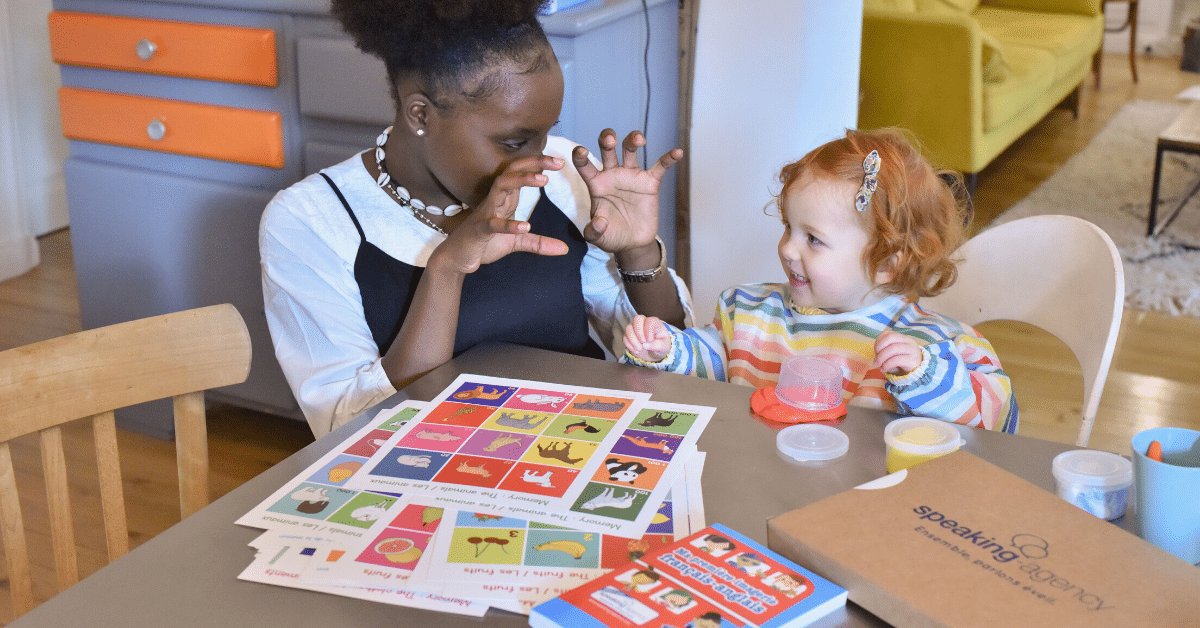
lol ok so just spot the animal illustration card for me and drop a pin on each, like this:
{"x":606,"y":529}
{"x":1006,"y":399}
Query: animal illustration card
{"x":283,"y":555}
{"x":318,"y":501}
{"x":485,"y":557}
{"x":591,"y":459}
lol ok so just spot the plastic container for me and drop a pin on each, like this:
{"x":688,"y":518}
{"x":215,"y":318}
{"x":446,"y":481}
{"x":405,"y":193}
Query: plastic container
{"x":1096,"y":481}
{"x":812,"y":443}
{"x":809,"y":383}
{"x":915,"y":440}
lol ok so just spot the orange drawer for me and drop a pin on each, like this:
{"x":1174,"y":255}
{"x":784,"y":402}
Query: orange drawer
{"x":245,"y":136}
{"x":232,"y":54}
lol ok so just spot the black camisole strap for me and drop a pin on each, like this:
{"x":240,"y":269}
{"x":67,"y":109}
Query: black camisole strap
{"x":341,"y":198}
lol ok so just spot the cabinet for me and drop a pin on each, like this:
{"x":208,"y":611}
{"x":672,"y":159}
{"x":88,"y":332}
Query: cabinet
{"x":184,"y":119}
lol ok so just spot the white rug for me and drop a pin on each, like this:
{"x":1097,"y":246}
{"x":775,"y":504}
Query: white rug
{"x":1108,"y":183}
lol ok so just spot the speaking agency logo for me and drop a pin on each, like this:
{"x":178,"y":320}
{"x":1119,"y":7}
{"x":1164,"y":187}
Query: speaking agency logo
{"x":1027,"y":545}
{"x":1027,"y":553}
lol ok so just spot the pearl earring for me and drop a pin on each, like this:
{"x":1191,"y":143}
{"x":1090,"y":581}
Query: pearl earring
{"x":420,"y":131}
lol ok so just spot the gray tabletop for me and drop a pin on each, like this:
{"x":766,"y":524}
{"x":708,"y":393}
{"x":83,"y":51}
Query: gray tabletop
{"x":187,"y":576}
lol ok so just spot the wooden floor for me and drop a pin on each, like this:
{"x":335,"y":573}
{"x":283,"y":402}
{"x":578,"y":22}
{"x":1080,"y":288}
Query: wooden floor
{"x":1155,"y":378}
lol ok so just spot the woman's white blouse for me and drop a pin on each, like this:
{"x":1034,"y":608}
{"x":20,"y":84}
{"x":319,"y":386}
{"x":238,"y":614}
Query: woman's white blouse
{"x":314,"y":311}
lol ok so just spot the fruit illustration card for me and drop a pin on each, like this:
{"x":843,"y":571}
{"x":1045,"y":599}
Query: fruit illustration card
{"x":591,"y":459}
{"x":485,"y":557}
{"x":318,"y":500}
{"x":282,"y":556}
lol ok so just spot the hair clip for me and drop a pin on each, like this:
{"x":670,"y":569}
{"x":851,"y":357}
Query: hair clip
{"x":870,"y":181}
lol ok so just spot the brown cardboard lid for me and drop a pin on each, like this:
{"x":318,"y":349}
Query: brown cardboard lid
{"x":957,"y":541}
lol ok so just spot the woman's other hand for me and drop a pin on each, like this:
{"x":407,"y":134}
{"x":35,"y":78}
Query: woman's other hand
{"x":624,"y":196}
{"x":489,"y":231}
{"x":647,"y":339}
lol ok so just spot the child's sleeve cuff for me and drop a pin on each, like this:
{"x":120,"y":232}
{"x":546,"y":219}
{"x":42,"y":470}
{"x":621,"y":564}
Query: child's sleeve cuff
{"x":633,"y":359}
{"x":914,"y":377}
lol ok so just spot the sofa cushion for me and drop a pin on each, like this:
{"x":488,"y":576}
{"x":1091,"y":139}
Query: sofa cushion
{"x":965,"y":6}
{"x":902,"y":6}
{"x":1030,"y":75}
{"x":993,"y":65}
{"x":1071,"y":38}
{"x":995,"y":68}
{"x":1084,"y":7}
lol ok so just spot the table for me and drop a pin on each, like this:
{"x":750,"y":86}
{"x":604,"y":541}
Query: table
{"x":187,"y":576}
{"x":1182,"y":136}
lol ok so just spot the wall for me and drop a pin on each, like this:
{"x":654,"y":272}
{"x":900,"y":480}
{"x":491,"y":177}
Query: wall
{"x":37,"y":136}
{"x":1159,"y":27}
{"x":770,"y":84}
{"x":18,"y":250}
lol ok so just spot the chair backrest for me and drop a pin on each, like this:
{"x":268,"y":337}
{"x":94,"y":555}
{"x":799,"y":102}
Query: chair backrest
{"x":88,"y":375}
{"x":1059,"y":273}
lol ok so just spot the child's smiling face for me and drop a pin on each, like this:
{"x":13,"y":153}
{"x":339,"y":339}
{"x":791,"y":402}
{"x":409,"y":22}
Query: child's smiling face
{"x":822,"y":247}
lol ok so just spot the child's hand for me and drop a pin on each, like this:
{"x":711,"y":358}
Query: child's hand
{"x":647,"y":339}
{"x":896,"y":353}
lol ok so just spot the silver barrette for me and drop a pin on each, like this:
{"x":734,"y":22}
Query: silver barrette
{"x":870,"y":181}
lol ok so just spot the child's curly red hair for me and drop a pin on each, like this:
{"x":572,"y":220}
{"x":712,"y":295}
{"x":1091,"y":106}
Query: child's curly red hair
{"x":915,"y":217}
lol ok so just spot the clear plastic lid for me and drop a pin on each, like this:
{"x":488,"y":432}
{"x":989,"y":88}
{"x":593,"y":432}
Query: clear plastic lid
{"x":811,"y":442}
{"x":1092,"y":468}
{"x":922,"y":436}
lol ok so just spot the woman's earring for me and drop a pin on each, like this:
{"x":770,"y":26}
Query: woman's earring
{"x":420,"y":131}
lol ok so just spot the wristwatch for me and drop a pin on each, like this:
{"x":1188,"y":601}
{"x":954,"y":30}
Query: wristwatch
{"x":646,"y":276}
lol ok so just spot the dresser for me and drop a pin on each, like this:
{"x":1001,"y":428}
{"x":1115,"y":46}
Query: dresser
{"x":184,"y":119}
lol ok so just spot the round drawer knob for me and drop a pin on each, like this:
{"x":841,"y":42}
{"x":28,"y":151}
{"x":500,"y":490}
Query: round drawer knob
{"x":146,"y":49}
{"x":156,"y":130}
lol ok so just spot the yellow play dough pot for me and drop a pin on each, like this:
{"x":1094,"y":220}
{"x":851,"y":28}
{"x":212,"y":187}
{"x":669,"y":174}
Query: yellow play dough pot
{"x":915,"y":440}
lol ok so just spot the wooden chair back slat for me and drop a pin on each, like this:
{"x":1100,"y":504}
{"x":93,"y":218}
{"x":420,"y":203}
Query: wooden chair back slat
{"x":88,"y":375}
{"x":191,"y":452}
{"x":112,"y":493}
{"x":12,"y":531}
{"x":58,"y":506}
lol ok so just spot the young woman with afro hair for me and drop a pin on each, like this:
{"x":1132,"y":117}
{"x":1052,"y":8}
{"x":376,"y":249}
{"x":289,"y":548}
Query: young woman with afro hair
{"x":467,"y":223}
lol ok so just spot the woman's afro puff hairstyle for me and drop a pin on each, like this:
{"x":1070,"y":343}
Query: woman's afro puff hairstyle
{"x":442,"y":41}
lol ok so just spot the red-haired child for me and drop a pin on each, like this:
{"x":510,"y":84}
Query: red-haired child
{"x":868,"y":228}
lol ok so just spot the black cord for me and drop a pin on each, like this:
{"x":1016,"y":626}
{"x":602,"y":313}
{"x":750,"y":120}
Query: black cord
{"x":646,"y":71}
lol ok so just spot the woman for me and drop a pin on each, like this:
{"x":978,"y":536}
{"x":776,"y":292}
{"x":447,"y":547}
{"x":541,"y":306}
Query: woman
{"x":467,"y":223}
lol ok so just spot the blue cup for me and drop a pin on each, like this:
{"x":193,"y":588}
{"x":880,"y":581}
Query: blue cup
{"x":1168,"y":492}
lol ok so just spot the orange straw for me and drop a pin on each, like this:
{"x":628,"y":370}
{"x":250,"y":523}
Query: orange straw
{"x":1154,"y":451}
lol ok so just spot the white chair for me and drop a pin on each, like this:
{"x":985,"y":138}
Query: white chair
{"x":1059,"y":273}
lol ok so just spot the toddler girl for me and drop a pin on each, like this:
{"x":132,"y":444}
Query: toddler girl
{"x":868,"y":228}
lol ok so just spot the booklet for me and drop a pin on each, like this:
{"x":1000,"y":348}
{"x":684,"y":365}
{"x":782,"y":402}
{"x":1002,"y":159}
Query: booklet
{"x":713,"y":578}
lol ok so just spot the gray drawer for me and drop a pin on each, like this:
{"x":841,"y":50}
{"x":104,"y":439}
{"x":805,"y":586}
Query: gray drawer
{"x":339,"y":82}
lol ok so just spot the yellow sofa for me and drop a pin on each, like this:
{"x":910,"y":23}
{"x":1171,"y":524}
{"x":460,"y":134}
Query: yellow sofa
{"x":968,"y":77}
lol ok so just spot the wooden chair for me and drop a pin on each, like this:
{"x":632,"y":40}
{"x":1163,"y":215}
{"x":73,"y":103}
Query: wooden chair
{"x":88,"y":375}
{"x":1059,"y":273}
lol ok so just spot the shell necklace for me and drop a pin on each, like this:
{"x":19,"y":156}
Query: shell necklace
{"x":402,"y":195}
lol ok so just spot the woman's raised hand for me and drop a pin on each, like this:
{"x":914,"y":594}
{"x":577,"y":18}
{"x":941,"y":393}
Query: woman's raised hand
{"x":489,"y":232}
{"x":624,"y":196}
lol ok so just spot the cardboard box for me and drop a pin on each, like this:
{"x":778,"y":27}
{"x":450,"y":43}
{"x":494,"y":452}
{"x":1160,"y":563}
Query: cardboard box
{"x":959,"y":542}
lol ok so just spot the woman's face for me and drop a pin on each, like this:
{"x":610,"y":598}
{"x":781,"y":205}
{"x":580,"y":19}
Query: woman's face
{"x":468,"y":145}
